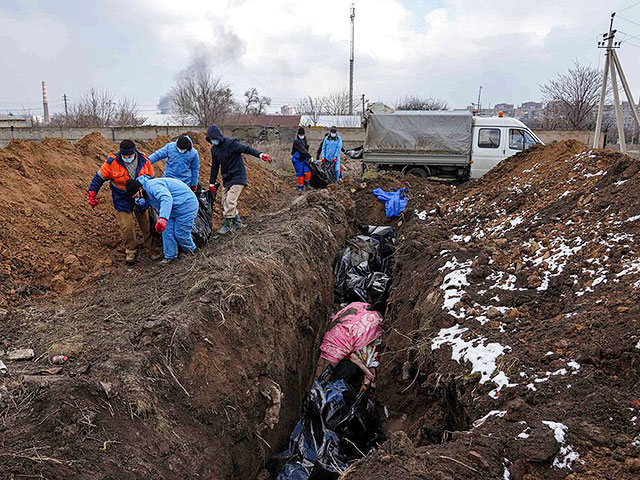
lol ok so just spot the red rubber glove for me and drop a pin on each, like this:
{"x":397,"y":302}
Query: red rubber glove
{"x":212,"y":189}
{"x":161,"y":224}
{"x":323,"y":159}
{"x":92,"y":199}
{"x":266,"y":157}
{"x":194,"y":188}
{"x":334,"y":160}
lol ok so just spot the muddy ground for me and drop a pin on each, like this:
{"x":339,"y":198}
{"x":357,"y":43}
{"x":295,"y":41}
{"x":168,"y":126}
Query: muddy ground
{"x":511,"y":332}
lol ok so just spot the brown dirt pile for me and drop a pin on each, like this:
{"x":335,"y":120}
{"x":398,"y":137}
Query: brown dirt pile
{"x":516,"y":308}
{"x":51,"y":240}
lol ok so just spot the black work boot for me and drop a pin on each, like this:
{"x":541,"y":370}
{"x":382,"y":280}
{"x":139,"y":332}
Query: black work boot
{"x":226,"y":226}
{"x":237,"y":223}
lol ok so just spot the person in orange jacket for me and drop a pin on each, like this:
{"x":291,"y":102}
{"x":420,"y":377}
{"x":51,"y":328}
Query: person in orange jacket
{"x":120,"y":166}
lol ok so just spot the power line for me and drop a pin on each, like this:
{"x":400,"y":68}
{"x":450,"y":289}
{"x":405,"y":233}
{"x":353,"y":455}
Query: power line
{"x":627,"y":20}
{"x":630,"y":6}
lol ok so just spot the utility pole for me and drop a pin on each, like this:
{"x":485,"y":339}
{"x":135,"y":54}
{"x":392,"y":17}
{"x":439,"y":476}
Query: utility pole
{"x":362,"y":121}
{"x":613,"y":66}
{"x":66,"y":110}
{"x":353,"y":17}
{"x":479,"y":104}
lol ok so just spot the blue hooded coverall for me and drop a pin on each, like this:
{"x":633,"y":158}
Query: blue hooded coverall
{"x":331,"y":149}
{"x":181,"y":166}
{"x":179,"y":205}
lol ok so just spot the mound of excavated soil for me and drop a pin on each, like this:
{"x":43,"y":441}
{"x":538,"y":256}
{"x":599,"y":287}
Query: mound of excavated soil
{"x":513,"y":326}
{"x":51,"y":240}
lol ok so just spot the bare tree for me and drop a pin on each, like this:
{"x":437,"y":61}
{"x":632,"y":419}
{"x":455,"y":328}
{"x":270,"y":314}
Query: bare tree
{"x":574,"y":96}
{"x":311,"y":107}
{"x":336,"y":103}
{"x":421,"y":103}
{"x":127,"y":114}
{"x":200,"y":98}
{"x":254,"y":103}
{"x":98,"y":108}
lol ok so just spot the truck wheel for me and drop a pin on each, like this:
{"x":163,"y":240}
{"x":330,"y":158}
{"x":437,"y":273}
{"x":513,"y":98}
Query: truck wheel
{"x":417,"y":172}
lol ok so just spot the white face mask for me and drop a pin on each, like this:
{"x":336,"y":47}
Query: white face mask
{"x":301,"y":137}
{"x":182,"y":150}
{"x":333,"y":135}
{"x":128,"y":159}
{"x":215,"y":142}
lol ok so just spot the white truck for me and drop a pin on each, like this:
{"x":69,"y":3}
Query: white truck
{"x":441,"y":144}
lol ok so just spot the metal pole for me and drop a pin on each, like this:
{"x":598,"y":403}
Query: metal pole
{"x":66,"y":110}
{"x":616,"y":103}
{"x":353,"y":16}
{"x":603,"y":94}
{"x":627,"y":90}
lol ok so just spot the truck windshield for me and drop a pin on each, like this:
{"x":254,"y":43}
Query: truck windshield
{"x":520,"y":139}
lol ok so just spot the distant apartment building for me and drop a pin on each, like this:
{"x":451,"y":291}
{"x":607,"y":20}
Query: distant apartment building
{"x":287,"y":110}
{"x":507,"y":109}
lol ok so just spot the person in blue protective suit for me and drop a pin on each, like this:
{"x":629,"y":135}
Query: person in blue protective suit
{"x":177,"y":206}
{"x":299,"y":157}
{"x":226,"y":156}
{"x":331,"y":149}
{"x":182,"y":161}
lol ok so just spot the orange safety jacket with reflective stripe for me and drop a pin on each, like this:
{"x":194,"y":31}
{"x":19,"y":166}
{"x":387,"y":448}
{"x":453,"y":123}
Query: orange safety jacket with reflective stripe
{"x":115,"y":171}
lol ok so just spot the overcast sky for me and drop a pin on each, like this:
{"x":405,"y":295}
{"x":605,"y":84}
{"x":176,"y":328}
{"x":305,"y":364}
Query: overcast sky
{"x":291,"y":48}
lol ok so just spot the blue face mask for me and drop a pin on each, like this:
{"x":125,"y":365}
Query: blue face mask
{"x":141,"y":203}
{"x":215,"y":142}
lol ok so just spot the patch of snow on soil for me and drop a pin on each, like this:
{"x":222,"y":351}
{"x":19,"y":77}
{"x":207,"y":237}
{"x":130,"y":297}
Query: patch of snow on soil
{"x":633,"y":267}
{"x":570,"y":456}
{"x":453,"y":283}
{"x":555,"y":261}
{"x":633,"y":219}
{"x":507,"y":474}
{"x":497,"y":413}
{"x":421,"y":215}
{"x":482,"y":357}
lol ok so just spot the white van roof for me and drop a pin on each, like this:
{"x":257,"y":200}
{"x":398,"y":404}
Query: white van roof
{"x":498,"y":122}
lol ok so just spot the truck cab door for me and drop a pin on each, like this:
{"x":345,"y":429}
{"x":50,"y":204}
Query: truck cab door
{"x":488,"y":149}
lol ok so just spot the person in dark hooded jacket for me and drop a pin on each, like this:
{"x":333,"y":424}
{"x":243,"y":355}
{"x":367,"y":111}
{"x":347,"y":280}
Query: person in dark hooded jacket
{"x":299,"y":157}
{"x":226,"y":156}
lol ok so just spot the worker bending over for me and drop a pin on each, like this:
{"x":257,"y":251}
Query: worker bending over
{"x":177,"y":206}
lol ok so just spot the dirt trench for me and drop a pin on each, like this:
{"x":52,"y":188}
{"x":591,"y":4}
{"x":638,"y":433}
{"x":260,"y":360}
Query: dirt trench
{"x":194,"y":369}
{"x":177,"y":372}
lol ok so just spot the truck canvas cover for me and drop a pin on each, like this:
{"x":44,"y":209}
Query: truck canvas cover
{"x":425,"y":132}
